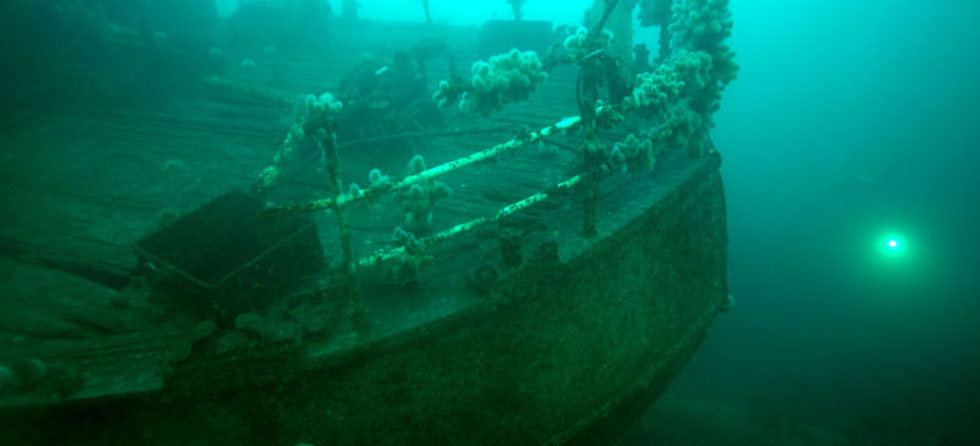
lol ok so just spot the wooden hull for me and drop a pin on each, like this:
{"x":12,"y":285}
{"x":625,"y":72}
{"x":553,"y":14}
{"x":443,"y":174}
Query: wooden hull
{"x":564,"y":353}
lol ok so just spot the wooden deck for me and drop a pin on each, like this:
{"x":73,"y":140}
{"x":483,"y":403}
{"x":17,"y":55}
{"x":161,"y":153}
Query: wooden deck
{"x":82,"y":181}
{"x":474,"y":351}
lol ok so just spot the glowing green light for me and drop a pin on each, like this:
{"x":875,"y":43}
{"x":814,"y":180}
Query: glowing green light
{"x":897,"y":256}
{"x":892,"y":245}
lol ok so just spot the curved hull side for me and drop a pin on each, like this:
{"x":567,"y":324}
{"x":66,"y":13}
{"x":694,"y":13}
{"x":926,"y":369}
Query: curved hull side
{"x":561,"y":354}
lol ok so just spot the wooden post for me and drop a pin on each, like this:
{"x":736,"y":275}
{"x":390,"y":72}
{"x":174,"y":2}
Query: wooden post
{"x":620,"y":22}
{"x":591,"y":76}
{"x":359,"y":322}
{"x":349,"y":9}
{"x":428,"y":14}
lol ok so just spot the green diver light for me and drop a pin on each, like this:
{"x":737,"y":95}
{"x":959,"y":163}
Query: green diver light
{"x":892,"y":245}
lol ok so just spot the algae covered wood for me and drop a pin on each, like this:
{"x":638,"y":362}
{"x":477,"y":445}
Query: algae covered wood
{"x":523,"y":329}
{"x":562,"y":353}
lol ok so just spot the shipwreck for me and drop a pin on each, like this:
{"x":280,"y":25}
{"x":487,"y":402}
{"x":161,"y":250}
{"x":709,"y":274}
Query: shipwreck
{"x":260,"y":244}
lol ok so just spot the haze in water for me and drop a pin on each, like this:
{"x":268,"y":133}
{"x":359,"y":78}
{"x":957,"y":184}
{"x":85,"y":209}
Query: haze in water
{"x":850,"y":146}
{"x":853,"y":124}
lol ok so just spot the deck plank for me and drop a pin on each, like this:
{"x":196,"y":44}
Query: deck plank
{"x":89,"y":181}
